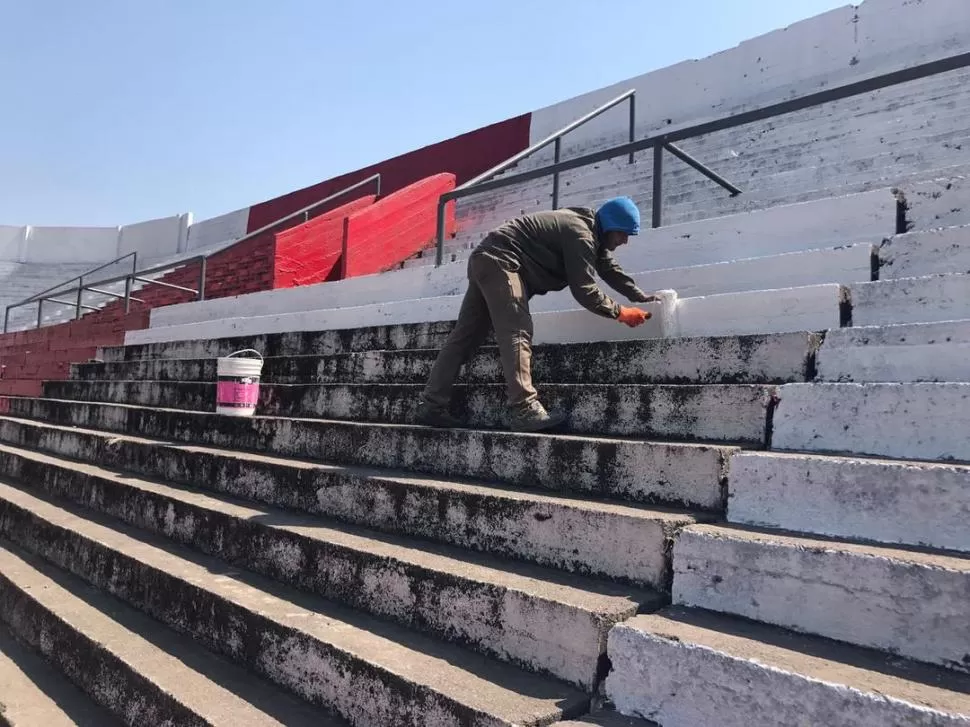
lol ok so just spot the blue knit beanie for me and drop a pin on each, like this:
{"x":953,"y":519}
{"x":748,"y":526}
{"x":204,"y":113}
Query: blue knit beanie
{"x":619,"y":214}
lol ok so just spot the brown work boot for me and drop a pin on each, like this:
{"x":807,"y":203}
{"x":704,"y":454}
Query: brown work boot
{"x":436,"y":416}
{"x":533,"y":417}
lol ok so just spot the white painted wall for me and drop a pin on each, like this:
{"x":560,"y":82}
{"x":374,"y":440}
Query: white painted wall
{"x":206,"y":233}
{"x":71,"y":244}
{"x":11,"y":241}
{"x":151,"y":239}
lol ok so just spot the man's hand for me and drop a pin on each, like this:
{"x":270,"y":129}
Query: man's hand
{"x":644,"y":298}
{"x":633,"y":317}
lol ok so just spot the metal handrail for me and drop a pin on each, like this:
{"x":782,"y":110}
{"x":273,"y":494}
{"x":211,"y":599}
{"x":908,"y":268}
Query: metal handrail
{"x":141,"y":275}
{"x":665,"y":140}
{"x":555,"y":137}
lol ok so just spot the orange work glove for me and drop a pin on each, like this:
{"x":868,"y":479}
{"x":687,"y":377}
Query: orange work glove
{"x":633,"y":317}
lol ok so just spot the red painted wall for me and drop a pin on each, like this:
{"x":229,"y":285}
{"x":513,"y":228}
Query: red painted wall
{"x":465,"y":156}
{"x":309,"y":253}
{"x":395,"y":228}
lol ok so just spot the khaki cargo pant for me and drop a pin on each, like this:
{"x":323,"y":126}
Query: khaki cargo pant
{"x":496,"y":298}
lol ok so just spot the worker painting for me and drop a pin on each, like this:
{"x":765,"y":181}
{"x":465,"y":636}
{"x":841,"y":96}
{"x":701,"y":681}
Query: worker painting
{"x":527,"y":256}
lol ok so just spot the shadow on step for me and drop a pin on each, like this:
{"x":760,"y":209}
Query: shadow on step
{"x":263,"y":695}
{"x":75,"y":705}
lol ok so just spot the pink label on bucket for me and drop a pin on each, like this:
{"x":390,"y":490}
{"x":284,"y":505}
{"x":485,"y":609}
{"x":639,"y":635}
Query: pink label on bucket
{"x":230,"y":393}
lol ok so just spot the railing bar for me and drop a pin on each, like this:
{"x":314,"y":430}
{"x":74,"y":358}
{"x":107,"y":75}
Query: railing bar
{"x":193,"y":291}
{"x":70,"y":303}
{"x":658,"y":189}
{"x":707,"y":172}
{"x":512,"y":161}
{"x":99,"y":291}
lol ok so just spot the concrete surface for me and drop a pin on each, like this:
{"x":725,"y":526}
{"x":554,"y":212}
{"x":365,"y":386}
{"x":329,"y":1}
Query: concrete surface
{"x":140,"y":671}
{"x":904,"y":353}
{"x":765,"y":358}
{"x":911,"y":300}
{"x":886,"y":501}
{"x":689,"y":475}
{"x":518,"y":616}
{"x":907,"y":421}
{"x":685,"y":668}
{"x":364,"y":671}
{"x":927,"y":252}
{"x":872,"y":596}
{"x":724,"y":413}
{"x":622,"y":542}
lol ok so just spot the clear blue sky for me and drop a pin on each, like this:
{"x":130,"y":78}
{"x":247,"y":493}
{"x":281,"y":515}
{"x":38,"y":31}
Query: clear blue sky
{"x":116,"y":111}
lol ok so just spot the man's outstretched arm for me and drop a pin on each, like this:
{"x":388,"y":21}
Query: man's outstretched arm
{"x":613,"y":275}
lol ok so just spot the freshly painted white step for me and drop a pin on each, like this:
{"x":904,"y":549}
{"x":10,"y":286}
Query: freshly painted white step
{"x":808,"y":308}
{"x":927,"y":252}
{"x":849,"y":264}
{"x":911,"y":300}
{"x":908,"y":352}
{"x":909,"y":421}
{"x":687,"y":668}
{"x":902,"y":601}
{"x":907,"y":503}
{"x":867,"y":217}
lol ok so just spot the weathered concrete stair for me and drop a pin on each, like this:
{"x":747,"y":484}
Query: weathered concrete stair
{"x":888,"y":419}
{"x":615,"y":540}
{"x":686,"y":667}
{"x":35,"y":693}
{"x":672,"y":473}
{"x":888,"y":501}
{"x":367,"y":671}
{"x":520,"y":614}
{"x":408,"y":355}
{"x":135,"y":670}
{"x":731,"y":413}
{"x":900,"y":353}
{"x":868,"y":595}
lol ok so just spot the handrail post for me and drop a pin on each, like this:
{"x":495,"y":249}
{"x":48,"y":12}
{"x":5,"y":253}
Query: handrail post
{"x":633,"y":121}
{"x":6,"y":319}
{"x":658,"y":184}
{"x":128,"y":282}
{"x":202,"y":268}
{"x":555,"y":177}
{"x":134,"y":262}
{"x":80,"y":298}
{"x":40,"y":311}
{"x":440,"y":249}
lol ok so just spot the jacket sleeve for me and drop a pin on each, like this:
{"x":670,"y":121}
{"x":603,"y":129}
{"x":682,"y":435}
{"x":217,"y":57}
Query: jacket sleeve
{"x":614,"y":276}
{"x":579,"y":255}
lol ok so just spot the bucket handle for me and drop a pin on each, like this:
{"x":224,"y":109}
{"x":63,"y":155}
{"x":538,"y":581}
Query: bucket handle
{"x":246,"y":350}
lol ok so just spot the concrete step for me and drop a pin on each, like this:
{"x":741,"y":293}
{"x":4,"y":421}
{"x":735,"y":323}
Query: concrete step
{"x":894,"y":502}
{"x":686,"y":668}
{"x":735,"y":413}
{"x":906,"y":421}
{"x":925,"y":299}
{"x":130,"y":665}
{"x":362,"y":669}
{"x":927,"y":252}
{"x":868,"y":595}
{"x":679,"y":474}
{"x":34,"y":693}
{"x":905,"y":353}
{"x":769,"y":358}
{"x":519,"y":614}
{"x":847,"y":264}
{"x":865,"y":218}
{"x":807,"y":308}
{"x":625,"y":543}
{"x":606,"y":719}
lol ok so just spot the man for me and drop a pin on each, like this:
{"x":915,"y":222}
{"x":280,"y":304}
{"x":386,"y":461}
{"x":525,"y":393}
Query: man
{"x":528,"y":256}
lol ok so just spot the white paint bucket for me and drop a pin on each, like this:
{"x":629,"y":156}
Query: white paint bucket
{"x":237,"y":387}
